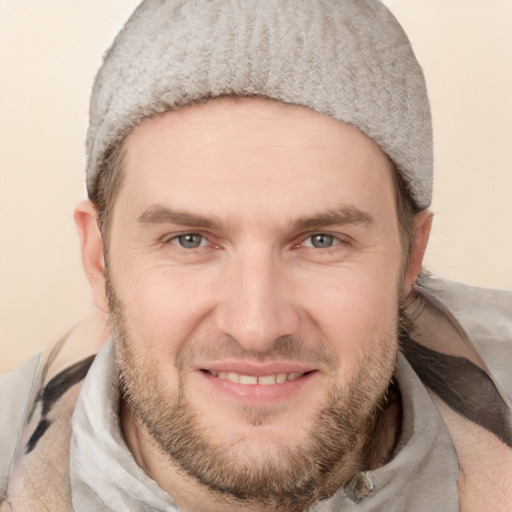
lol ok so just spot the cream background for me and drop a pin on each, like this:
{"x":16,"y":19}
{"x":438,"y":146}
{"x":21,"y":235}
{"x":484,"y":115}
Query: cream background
{"x":49,"y":53}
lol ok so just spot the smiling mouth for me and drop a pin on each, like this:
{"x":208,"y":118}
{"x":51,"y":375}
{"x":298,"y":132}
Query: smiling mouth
{"x":263,"y":380}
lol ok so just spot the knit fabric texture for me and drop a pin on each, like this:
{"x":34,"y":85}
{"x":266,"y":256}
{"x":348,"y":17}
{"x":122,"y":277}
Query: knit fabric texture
{"x":348,"y":59}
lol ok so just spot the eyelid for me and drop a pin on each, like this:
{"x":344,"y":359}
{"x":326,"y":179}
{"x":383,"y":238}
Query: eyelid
{"x":168,"y":238}
{"x":176,"y":240}
{"x":176,"y":234}
{"x":338,"y":237}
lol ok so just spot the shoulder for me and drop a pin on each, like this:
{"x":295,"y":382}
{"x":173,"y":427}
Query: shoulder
{"x":16,"y":389}
{"x":485,"y":463}
{"x":485,"y":315}
{"x":469,"y":331}
{"x":37,"y":401}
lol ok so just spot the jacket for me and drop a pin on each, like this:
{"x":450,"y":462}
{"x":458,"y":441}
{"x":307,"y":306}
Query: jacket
{"x":61,"y":447}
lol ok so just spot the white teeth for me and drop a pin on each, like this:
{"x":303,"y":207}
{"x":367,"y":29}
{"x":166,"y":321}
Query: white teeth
{"x":248,"y":379}
{"x":267,"y":380}
{"x":233,"y":377}
{"x":264,"y":380}
{"x":281,"y":377}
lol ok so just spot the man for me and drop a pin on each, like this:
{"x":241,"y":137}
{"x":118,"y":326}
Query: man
{"x":259,"y":176}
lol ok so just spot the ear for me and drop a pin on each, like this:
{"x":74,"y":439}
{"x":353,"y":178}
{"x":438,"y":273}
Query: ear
{"x":91,"y":242}
{"x":422,"y":227}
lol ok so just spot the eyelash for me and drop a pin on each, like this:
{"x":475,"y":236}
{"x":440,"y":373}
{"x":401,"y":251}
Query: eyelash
{"x":334,"y":239}
{"x":174,"y":240}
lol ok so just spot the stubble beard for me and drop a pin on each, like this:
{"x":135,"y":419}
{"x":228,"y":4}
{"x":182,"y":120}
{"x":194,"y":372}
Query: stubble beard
{"x":292,"y":478}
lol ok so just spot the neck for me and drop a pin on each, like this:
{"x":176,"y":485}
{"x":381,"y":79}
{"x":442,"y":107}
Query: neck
{"x":194,"y":497}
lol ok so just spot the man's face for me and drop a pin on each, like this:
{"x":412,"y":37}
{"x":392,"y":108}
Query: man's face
{"x":254,"y":271}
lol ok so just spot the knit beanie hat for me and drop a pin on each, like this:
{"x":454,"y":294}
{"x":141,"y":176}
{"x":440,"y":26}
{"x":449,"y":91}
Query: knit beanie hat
{"x":348,"y":59}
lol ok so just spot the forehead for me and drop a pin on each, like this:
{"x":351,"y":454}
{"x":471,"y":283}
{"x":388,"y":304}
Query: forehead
{"x":241,"y":155}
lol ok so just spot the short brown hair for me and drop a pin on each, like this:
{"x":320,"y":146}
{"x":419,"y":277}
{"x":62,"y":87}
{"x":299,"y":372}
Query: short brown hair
{"x":406,"y":209}
{"x":108,"y":184}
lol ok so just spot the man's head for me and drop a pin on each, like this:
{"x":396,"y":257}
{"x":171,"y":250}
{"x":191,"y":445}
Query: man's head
{"x":256,"y":249}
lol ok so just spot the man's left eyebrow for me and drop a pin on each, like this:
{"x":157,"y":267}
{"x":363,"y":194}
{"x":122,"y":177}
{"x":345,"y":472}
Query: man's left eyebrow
{"x":334,"y":217}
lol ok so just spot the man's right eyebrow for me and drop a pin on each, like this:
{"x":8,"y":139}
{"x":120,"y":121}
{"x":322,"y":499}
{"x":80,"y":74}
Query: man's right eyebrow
{"x":158,"y":214}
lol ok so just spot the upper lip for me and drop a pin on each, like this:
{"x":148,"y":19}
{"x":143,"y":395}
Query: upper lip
{"x":255,"y":369}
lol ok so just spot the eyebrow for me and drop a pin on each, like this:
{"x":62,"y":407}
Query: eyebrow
{"x":333,"y":217}
{"x":157,"y":214}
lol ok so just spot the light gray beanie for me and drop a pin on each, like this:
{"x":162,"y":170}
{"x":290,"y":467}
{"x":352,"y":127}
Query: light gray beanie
{"x":348,"y":59}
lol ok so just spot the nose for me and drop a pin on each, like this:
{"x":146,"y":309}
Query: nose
{"x":257,"y":306}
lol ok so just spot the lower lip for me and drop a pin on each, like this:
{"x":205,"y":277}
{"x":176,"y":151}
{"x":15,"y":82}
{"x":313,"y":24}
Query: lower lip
{"x":257,"y":393}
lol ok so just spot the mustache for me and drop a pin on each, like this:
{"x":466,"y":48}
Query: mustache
{"x":284,"y":348}
{"x":212,"y":346}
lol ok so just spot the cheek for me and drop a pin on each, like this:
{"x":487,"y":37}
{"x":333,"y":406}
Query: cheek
{"x":165,"y":306}
{"x":354,"y":309}
{"x":352,"y":292}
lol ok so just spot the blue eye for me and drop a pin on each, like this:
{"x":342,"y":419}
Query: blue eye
{"x":322,"y":241}
{"x":189,"y":240}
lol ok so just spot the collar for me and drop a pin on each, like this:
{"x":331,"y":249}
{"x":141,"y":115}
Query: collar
{"x":422,"y":476}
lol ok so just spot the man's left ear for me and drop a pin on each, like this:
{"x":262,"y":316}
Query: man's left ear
{"x":422,"y":227}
